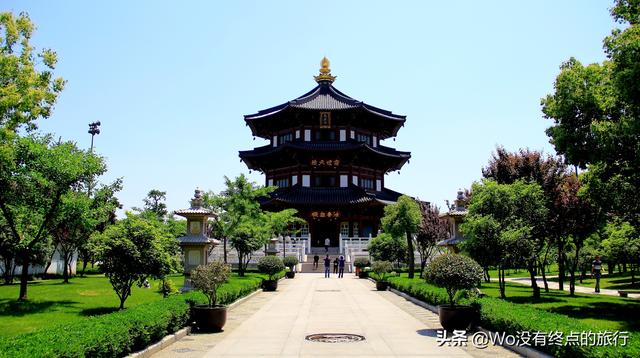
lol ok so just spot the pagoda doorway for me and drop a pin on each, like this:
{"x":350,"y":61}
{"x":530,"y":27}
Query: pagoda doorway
{"x":320,"y":230}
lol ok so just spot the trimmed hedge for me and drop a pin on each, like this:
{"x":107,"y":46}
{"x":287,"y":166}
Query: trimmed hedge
{"x":503,"y":316}
{"x":122,"y":332}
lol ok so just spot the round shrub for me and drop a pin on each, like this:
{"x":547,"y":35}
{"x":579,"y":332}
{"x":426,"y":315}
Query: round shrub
{"x":208,"y":278}
{"x":381,"y":270}
{"x":454,"y":272}
{"x":290,"y":261}
{"x":270,"y":265}
{"x":361,"y":262}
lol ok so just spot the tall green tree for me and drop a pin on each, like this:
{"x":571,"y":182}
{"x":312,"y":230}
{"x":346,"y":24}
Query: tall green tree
{"x":28,"y":89}
{"x":33,"y":180}
{"x":403,"y":218}
{"x":242,"y":221}
{"x":595,"y":111}
{"x":134,"y":249}
{"x":154,"y":203}
{"x":386,"y":247}
{"x":504,"y":223}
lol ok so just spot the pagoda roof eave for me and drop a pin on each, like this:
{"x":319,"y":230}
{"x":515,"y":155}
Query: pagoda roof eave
{"x":351,"y":195}
{"x":324,"y":97}
{"x":329,"y":146}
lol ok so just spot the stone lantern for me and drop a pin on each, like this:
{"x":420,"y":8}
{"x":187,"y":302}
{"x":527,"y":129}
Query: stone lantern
{"x":455,"y":216}
{"x":272,"y":250}
{"x":196,"y":244}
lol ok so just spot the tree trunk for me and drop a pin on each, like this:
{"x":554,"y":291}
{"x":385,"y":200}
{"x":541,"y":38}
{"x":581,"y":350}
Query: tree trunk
{"x":65,"y":271}
{"x":560,"y":265}
{"x":24,"y":278}
{"x":544,"y":280}
{"x":501,"y":282}
{"x":423,"y":263}
{"x":9,"y":269}
{"x":224,"y":249}
{"x":572,"y":272}
{"x":46,"y":267}
{"x":534,"y":283}
{"x":487,"y":277}
{"x":240,"y":268}
{"x":84,"y":267}
{"x":412,"y":263}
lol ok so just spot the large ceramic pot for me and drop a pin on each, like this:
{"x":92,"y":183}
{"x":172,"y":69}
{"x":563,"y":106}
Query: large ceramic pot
{"x":290,"y":274}
{"x":269,"y":285}
{"x":456,"y":317}
{"x":209,"y":319}
{"x":382,"y":285}
{"x":363,"y":274}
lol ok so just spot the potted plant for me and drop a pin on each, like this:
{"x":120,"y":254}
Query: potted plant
{"x":208,"y":279}
{"x":271,"y":266}
{"x":381,"y":270}
{"x":290,"y":262}
{"x":360,"y":263}
{"x":454,"y":272}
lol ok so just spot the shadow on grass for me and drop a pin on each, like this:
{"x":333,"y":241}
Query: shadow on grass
{"x":530,"y":299}
{"x":627,"y":314}
{"x":21,"y":308}
{"x":97,"y":311}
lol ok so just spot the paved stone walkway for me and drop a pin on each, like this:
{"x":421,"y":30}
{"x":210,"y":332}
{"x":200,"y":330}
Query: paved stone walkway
{"x":275,"y":324}
{"x":554,"y":286}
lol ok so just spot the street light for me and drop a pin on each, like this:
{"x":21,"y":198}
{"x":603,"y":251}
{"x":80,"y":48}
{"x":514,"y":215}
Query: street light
{"x":94,"y":128}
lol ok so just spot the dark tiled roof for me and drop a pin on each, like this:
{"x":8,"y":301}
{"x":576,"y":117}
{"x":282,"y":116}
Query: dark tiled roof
{"x":299,"y":195}
{"x":197,"y":239}
{"x":325,"y":97}
{"x":324,"y":146}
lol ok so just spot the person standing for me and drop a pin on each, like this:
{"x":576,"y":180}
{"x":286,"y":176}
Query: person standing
{"x":341,"y":267}
{"x":327,"y":267}
{"x":596,"y":271}
{"x":316,"y":258}
{"x":335,"y":266}
{"x":327,"y":242}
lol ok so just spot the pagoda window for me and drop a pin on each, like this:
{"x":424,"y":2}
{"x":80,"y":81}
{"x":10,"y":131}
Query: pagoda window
{"x":366,"y":183}
{"x":365,"y":138}
{"x":367,"y":229}
{"x":304,"y":230}
{"x":325,"y":135}
{"x":378,"y":185}
{"x":343,"y":135}
{"x":270,"y":182}
{"x":306,"y":180}
{"x":284,"y":138}
{"x":297,"y":134}
{"x":324,"y":181}
{"x":294,"y":180}
{"x":375,"y":141}
{"x":354,"y":180}
{"x":355,"y":230}
{"x":282,"y":182}
{"x":344,"y":181}
{"x":275,"y":141}
{"x":344,"y":229}
{"x":352,"y":134}
{"x":307,"y":135}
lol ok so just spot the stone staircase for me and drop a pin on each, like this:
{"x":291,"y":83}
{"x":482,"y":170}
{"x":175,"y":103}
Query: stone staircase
{"x":307,"y":267}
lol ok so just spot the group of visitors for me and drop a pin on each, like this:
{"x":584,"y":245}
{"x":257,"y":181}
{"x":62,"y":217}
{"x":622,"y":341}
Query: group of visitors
{"x":338,"y":265}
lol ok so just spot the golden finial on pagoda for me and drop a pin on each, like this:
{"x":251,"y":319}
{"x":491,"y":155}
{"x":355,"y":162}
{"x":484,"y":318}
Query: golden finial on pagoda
{"x":325,"y":72}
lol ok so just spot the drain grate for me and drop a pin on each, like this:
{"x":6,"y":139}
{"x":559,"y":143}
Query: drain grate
{"x":334,"y":337}
{"x":327,"y":290}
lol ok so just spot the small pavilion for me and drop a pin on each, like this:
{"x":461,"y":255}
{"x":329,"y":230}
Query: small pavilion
{"x":196,"y":245}
{"x":455,"y":216}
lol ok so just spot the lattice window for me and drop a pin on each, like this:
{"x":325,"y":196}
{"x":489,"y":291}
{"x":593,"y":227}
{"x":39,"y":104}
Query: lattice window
{"x":355,"y":230}
{"x":344,"y":229}
{"x":304,"y":229}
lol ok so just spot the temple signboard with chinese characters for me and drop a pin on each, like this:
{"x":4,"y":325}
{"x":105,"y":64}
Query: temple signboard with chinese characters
{"x":326,"y":158}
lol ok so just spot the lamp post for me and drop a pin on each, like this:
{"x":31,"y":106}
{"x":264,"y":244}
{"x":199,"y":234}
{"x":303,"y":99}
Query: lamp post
{"x":94,"y":128}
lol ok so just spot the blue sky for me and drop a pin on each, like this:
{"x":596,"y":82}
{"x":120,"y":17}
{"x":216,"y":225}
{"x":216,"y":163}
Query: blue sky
{"x":170,"y":81}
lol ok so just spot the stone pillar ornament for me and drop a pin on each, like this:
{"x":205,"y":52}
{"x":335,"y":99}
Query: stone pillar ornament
{"x":196,"y":245}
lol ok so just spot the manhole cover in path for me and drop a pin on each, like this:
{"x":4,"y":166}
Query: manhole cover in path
{"x":327,"y":290}
{"x":334,"y":337}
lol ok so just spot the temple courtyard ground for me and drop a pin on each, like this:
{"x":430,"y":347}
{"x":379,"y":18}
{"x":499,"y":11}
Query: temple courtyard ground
{"x":275,"y":324}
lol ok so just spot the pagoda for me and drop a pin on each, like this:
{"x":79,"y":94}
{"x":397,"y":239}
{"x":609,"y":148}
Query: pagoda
{"x":326,"y":160}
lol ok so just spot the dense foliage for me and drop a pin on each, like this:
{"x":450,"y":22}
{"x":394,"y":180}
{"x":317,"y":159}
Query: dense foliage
{"x":361,"y":262}
{"x":454,"y":272}
{"x":387,"y":247}
{"x":403,"y":218}
{"x":133,"y":250}
{"x":290,"y":261}
{"x":271,"y":266}
{"x":381,"y":270}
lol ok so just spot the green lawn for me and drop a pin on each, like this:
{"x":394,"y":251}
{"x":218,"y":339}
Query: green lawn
{"x":602,"y":312}
{"x":51,"y":301}
{"x":552,"y":270}
{"x":617,"y":281}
